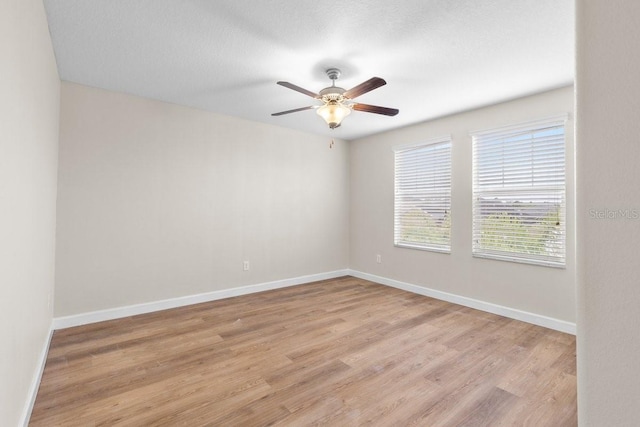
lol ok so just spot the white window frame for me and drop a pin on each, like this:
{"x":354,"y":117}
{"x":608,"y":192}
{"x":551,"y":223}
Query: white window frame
{"x":437,"y":193}
{"x":531,"y":179}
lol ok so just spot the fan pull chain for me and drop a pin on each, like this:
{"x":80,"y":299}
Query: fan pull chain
{"x":331,"y":143}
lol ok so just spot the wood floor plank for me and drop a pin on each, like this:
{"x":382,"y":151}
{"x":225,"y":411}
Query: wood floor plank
{"x":340,"y":352}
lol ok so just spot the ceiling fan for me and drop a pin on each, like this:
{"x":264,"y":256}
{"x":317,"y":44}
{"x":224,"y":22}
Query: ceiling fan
{"x":337,"y":102}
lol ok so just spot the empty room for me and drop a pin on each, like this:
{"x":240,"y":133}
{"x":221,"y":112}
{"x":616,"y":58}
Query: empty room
{"x":296,"y":213}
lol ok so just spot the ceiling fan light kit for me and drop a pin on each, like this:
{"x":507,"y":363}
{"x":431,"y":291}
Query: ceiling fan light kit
{"x":337,"y":102}
{"x":333,"y":113}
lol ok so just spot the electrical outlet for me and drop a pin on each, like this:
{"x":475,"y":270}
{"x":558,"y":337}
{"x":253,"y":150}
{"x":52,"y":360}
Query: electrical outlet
{"x":245,"y":266}
{"x":379,"y":259}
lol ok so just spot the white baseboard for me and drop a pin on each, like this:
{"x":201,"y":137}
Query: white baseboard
{"x":525,"y":316}
{"x":132,"y":310}
{"x":35,"y":381}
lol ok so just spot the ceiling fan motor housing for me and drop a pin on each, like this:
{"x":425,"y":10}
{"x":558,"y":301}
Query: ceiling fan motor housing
{"x":332,"y":94}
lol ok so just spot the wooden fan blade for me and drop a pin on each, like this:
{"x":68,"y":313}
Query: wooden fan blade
{"x":362,"y":88}
{"x":375,"y":109}
{"x":299,"y":89}
{"x":293,"y":111}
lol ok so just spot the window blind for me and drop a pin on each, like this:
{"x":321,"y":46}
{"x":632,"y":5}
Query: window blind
{"x":422,"y":208}
{"x":519,"y":198}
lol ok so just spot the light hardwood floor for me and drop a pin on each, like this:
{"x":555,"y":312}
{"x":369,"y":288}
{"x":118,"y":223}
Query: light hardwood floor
{"x":343,"y":352}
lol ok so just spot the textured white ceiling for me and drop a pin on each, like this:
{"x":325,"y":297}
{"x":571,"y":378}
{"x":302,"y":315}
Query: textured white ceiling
{"x":437,"y":56}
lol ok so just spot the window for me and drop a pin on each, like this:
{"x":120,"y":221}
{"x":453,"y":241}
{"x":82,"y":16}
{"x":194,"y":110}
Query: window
{"x":422,"y":214}
{"x":519,"y":193}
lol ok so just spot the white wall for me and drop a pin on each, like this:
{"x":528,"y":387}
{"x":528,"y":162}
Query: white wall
{"x":158,"y":201}
{"x":540,"y":290}
{"x":608,"y":165}
{"x":29,"y":110}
